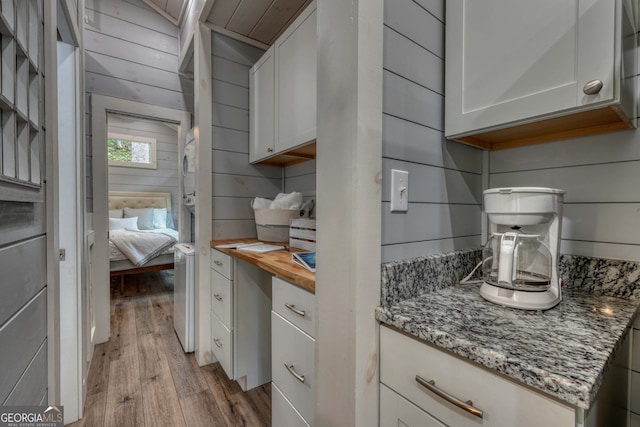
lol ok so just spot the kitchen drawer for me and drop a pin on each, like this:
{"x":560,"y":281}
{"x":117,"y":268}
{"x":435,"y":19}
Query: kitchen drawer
{"x":221,"y":263}
{"x":221,"y":344}
{"x":294,"y":304}
{"x":283,"y":414}
{"x":395,"y":410}
{"x":291,"y":346}
{"x":221,"y":298}
{"x":504,"y":402}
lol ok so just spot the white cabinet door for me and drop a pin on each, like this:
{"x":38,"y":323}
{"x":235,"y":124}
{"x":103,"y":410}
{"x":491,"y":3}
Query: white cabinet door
{"x":296,"y":83}
{"x":262,"y":107}
{"x":396,"y":411}
{"x":511,"y":61}
{"x":404,"y":361}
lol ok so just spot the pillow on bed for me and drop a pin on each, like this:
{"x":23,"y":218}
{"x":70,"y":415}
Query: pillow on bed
{"x":123,"y":223}
{"x":159,"y":217}
{"x":115,"y":213}
{"x":145,"y":217}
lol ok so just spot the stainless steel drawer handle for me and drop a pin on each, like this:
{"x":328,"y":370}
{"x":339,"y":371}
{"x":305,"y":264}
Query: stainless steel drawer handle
{"x":295,"y":310}
{"x":467,"y":406}
{"x":217,"y":296}
{"x":216,"y":262}
{"x":592,"y":87}
{"x":293,"y":372}
{"x":217,"y":342}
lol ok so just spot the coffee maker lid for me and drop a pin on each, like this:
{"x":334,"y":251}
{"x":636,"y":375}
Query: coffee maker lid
{"x":509,"y":190}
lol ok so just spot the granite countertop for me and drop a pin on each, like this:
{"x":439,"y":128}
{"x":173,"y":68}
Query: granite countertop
{"x":564,"y":351}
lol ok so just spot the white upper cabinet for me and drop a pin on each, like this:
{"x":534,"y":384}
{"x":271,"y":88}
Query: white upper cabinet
{"x":262,"y":107}
{"x":282,"y":91}
{"x":296,"y":82}
{"x":521,"y":72}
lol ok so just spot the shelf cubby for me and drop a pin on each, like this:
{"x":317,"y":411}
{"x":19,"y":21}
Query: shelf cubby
{"x":34,"y":99}
{"x":34,"y":37}
{"x":24,"y":152}
{"x":7,"y":67}
{"x":7,"y":17}
{"x":35,"y":166}
{"x":22,"y":21}
{"x":22,"y":86}
{"x":8,"y":143}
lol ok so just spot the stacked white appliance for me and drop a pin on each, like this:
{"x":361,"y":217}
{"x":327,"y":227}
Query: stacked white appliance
{"x":183,"y":295}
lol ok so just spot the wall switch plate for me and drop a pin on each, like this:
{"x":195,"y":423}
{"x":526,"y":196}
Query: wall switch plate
{"x":399,"y":191}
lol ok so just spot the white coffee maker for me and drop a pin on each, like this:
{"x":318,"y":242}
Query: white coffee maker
{"x":520,"y":259}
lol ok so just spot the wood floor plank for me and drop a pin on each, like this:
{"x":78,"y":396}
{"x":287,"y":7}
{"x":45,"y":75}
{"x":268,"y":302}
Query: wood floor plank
{"x":124,"y":398}
{"x":164,"y":386}
{"x":122,"y":343}
{"x":98,"y":376}
{"x":186,"y":373}
{"x":200,"y":410}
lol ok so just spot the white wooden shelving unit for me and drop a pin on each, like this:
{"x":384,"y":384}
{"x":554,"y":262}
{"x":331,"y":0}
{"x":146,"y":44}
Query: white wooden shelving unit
{"x":21,"y":100}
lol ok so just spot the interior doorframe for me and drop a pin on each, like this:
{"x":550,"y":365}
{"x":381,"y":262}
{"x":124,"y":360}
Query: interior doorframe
{"x":101,"y":105}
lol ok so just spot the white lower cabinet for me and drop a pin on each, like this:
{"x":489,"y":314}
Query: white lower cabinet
{"x":395,"y":410}
{"x":293,"y":355}
{"x":405,"y":361}
{"x":284,"y":414}
{"x":240,"y":319}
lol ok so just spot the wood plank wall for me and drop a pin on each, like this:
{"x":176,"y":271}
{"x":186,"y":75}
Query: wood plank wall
{"x":235,"y":181}
{"x":23,"y":303}
{"x":165,"y":176}
{"x":131,"y":52}
{"x":301,"y":177}
{"x":445,"y":178}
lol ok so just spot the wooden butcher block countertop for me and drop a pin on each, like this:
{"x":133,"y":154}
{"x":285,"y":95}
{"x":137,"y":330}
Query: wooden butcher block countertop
{"x":277,"y":262}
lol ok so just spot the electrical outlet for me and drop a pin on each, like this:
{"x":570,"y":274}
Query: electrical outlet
{"x":399,"y":191}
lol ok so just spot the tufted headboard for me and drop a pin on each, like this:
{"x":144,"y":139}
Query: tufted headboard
{"x":139,"y":199}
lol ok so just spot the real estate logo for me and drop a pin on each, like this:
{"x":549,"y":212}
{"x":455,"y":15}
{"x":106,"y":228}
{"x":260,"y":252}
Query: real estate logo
{"x":31,"y":416}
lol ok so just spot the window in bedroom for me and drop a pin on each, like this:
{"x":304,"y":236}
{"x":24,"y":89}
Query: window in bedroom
{"x":131,"y":151}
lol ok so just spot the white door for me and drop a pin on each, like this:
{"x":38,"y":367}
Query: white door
{"x":262,"y":98}
{"x":513,"y":60}
{"x":72,"y":358}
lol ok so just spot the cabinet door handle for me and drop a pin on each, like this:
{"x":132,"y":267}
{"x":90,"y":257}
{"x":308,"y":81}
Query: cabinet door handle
{"x":295,"y":310}
{"x":293,"y":372}
{"x":467,"y":406}
{"x":217,"y":296}
{"x":269,"y":150}
{"x":217,"y":342}
{"x":216,"y":262}
{"x":592,"y":87}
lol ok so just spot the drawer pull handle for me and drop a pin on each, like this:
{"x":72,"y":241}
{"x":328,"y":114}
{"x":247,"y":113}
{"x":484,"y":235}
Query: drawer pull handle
{"x":592,"y":87}
{"x":217,"y":296}
{"x":467,"y":406}
{"x":293,"y":372}
{"x":217,"y":342}
{"x":295,"y":310}
{"x":217,"y":262}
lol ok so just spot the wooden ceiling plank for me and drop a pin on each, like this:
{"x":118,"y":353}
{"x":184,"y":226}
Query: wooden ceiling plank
{"x":222,"y":11}
{"x":175,"y":7}
{"x":161,"y":11}
{"x":248,"y":15}
{"x":275,"y":19}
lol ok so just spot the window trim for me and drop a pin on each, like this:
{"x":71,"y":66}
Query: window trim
{"x":153,"y":164}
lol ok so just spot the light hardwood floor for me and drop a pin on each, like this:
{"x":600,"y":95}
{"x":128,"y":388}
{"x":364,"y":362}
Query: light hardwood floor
{"x":142,"y":377}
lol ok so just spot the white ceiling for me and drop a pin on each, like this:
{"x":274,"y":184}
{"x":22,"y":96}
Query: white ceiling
{"x":170,"y":9}
{"x":261,"y":20}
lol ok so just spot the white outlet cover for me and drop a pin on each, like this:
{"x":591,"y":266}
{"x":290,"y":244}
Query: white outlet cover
{"x":399,"y":191}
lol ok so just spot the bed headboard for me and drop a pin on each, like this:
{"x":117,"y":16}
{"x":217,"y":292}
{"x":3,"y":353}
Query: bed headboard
{"x":139,"y":199}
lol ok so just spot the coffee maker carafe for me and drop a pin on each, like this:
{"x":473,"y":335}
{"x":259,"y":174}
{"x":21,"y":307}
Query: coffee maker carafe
{"x":520,"y":259}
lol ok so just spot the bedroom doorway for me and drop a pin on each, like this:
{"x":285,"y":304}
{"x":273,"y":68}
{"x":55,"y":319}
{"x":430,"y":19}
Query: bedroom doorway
{"x":143,"y":173}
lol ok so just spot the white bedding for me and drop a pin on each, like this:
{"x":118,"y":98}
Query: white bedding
{"x":115,"y":254}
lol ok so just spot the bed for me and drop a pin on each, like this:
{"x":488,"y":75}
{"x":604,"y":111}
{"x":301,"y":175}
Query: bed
{"x":123,"y":207}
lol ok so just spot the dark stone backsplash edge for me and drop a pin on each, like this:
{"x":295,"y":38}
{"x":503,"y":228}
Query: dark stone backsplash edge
{"x":406,"y":279}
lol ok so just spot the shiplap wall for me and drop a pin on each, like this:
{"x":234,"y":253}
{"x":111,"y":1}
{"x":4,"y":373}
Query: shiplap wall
{"x":23,"y":304}
{"x":235,"y":181}
{"x":445,"y":178}
{"x":301,"y":177}
{"x":165,"y":176}
{"x":23,"y":301}
{"x":131,"y":52}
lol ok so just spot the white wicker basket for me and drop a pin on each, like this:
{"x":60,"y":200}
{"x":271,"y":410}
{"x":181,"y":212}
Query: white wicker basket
{"x":272,"y":225}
